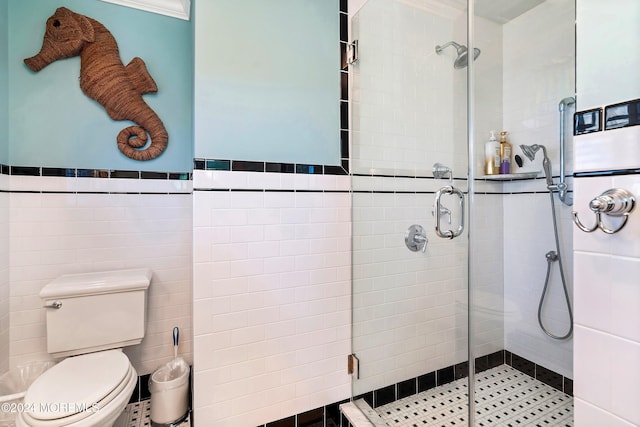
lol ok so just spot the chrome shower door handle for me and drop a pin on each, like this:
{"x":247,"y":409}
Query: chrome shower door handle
{"x":438,"y":209}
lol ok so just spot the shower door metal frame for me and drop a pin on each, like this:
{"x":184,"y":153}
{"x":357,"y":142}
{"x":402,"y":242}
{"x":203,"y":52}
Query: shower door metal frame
{"x":471,"y":173}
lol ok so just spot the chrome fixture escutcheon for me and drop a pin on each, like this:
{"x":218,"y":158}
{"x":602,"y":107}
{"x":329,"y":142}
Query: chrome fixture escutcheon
{"x":441,"y":171}
{"x":416,"y":238}
{"x":615,"y":202}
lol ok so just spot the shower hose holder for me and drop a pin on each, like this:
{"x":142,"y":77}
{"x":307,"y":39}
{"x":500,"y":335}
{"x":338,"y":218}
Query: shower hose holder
{"x":615,"y":202}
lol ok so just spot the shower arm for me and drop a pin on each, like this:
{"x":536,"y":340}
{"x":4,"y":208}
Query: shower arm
{"x":439,"y":49}
{"x":562,"y":186}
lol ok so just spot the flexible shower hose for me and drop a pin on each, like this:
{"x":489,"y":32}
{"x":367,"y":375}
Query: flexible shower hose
{"x":551,"y":257}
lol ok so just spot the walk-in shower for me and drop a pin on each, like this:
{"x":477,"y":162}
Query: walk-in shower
{"x":462,"y":59}
{"x":551,"y":256}
{"x":438,"y":321}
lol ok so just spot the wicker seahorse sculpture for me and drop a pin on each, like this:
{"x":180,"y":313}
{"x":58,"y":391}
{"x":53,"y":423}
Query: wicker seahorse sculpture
{"x":104,"y":78}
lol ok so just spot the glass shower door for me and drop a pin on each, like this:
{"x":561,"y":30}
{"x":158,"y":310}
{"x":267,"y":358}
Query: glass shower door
{"x":409,"y":113}
{"x":522,"y":375}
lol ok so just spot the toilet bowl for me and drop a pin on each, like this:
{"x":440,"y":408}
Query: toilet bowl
{"x":81,"y":391}
{"x":90,"y":318}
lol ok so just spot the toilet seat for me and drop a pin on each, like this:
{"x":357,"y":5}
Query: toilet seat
{"x":80,"y":391}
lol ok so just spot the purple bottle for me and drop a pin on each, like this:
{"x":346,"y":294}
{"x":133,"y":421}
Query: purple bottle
{"x":505,"y":154}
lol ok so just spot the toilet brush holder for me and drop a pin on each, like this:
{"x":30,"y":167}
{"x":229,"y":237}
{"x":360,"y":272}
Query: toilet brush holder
{"x":169,"y":387}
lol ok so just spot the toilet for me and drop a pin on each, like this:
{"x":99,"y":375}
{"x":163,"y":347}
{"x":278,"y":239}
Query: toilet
{"x":90,"y":318}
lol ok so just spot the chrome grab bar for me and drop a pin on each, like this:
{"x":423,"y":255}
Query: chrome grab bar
{"x":614,"y":202}
{"x":562,"y":188}
{"x":438,"y":210}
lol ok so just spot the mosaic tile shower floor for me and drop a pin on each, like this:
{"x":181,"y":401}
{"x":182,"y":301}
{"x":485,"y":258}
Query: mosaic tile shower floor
{"x":139,"y":415}
{"x":504,"y":397}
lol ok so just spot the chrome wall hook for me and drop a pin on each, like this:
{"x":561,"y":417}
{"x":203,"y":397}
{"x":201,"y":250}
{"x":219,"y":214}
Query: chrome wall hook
{"x":616,"y":202}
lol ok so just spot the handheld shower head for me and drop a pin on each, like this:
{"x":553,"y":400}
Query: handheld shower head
{"x":463,"y":54}
{"x":531,"y":150}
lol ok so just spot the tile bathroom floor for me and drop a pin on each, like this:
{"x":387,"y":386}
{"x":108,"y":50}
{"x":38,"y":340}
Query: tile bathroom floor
{"x":504,"y":397}
{"x":138,"y":415}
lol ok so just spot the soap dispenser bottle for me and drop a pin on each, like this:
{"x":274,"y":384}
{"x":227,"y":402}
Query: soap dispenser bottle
{"x":492,"y":155}
{"x":505,"y":154}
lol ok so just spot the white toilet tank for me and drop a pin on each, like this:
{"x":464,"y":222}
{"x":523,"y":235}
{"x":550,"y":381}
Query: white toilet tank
{"x":95,"y":311}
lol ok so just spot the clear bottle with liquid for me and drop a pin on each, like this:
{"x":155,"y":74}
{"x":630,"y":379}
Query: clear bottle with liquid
{"x":492,"y":155}
{"x":505,"y":154}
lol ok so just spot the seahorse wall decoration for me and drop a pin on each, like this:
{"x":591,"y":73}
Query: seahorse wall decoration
{"x":104,"y":78}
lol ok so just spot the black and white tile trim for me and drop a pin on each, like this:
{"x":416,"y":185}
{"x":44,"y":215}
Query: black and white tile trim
{"x":330,"y":416}
{"x":92,"y":173}
{"x":615,"y":116}
{"x":138,"y":414}
{"x":616,"y":172}
{"x":269,"y":167}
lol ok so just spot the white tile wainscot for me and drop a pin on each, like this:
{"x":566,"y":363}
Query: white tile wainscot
{"x":607,"y":292}
{"x":272,"y":295}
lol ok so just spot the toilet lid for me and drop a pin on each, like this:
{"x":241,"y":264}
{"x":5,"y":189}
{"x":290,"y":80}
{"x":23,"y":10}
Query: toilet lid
{"x":76,"y":384}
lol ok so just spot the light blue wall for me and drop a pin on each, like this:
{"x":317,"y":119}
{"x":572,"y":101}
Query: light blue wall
{"x":4,"y":102}
{"x":53,"y":124}
{"x":267,"y":83}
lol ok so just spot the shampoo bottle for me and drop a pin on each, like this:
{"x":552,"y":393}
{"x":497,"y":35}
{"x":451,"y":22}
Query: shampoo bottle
{"x":492,"y":156}
{"x":505,"y":154}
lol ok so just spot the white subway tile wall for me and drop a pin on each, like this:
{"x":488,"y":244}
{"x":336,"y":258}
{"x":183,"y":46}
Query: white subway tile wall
{"x":407,"y":319}
{"x":607,"y":292}
{"x":272,"y":296}
{"x":58,"y":233}
{"x":404,"y":94}
{"x":538,"y":72}
{"x":528,"y":236}
{"x":488,"y":279}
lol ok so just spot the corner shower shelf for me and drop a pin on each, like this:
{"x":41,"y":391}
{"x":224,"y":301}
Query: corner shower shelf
{"x":511,"y":176}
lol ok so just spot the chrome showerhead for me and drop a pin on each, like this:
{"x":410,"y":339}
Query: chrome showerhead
{"x":463,"y":54}
{"x":531,"y":150}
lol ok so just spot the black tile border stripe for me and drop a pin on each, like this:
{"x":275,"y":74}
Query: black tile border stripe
{"x":611,"y":172}
{"x":291,"y":190}
{"x":269,"y":167}
{"x":393,"y":392}
{"x":137,"y":193}
{"x":92,"y":173}
{"x":259,"y":190}
{"x":24,"y":170}
{"x":265,"y":167}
